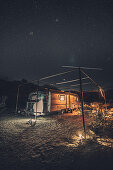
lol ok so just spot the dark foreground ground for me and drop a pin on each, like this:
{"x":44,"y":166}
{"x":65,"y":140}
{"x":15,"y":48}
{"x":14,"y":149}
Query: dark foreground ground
{"x":54,"y":143}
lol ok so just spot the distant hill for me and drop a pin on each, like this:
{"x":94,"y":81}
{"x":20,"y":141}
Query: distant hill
{"x":109,"y":95}
{"x":94,"y":96}
{"x":10,"y":88}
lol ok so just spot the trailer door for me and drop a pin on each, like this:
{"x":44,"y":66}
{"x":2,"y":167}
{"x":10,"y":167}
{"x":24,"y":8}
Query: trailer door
{"x":39,"y":106}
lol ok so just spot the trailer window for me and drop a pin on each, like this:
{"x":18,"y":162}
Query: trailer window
{"x":61,"y":97}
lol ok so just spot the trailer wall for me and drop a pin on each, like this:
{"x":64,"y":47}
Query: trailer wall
{"x":61,"y":101}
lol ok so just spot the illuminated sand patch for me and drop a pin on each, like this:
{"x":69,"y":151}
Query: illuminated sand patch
{"x":105,"y":142}
{"x":79,"y":139}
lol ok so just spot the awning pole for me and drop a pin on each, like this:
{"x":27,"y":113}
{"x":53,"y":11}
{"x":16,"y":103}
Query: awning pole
{"x":81,"y":98}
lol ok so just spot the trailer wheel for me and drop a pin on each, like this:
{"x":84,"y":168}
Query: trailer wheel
{"x":66,"y":110}
{"x":70,"y":110}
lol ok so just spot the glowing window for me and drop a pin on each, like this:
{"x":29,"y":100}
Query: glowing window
{"x":61,"y":97}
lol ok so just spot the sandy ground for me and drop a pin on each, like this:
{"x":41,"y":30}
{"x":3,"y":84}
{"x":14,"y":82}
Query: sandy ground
{"x":55,"y":142}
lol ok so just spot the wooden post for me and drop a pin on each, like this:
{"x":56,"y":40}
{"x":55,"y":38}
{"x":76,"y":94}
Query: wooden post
{"x":69,"y":100}
{"x":46,"y":100}
{"x":17,"y":99}
{"x":66,"y":102}
{"x":81,"y":98}
{"x":37,"y":99}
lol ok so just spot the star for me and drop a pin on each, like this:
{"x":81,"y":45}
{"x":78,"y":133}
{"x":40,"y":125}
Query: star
{"x":57,"y":20}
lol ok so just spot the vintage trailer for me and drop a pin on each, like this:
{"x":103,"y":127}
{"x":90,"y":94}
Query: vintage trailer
{"x":51,"y":101}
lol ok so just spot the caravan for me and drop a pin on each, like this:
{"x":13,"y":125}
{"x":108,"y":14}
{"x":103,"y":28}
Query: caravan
{"x":52,"y":101}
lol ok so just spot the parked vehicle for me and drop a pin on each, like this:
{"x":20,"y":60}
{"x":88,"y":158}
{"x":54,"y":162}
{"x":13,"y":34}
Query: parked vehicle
{"x":51,"y":101}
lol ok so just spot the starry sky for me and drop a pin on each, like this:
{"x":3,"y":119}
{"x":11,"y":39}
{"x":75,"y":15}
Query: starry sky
{"x":37,"y":37}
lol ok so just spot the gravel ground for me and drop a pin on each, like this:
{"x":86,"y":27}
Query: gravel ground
{"x":55,"y":142}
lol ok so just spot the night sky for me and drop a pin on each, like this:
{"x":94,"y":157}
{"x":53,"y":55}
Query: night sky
{"x":37,"y":37}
